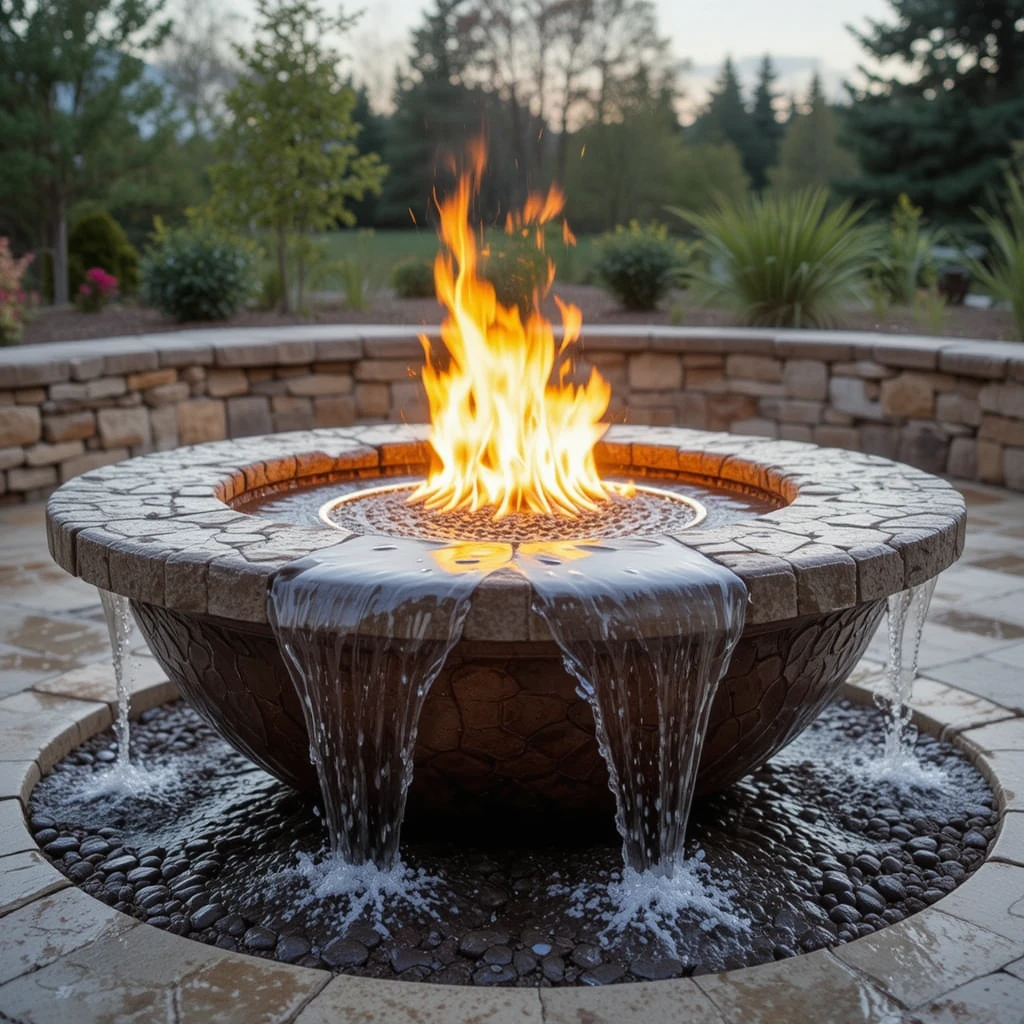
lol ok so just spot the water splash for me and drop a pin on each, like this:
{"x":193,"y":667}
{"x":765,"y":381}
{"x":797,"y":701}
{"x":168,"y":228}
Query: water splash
{"x":907,"y":613}
{"x":647,"y":630}
{"x":120,"y":626}
{"x":364,"y":637}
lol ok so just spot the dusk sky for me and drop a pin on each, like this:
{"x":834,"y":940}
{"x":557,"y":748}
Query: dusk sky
{"x":800,"y":35}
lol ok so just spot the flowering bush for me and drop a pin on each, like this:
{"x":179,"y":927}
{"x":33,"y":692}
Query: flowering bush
{"x":96,"y":290}
{"x":15,"y":302}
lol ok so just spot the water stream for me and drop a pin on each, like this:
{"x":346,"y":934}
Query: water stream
{"x":647,"y":630}
{"x":907,"y":613}
{"x":120,"y":626}
{"x":364,"y":632}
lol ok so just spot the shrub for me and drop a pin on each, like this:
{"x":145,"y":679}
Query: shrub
{"x":784,"y":260}
{"x":197,"y":273}
{"x":639,"y":264}
{"x":96,"y":290}
{"x":97,"y":240}
{"x":1002,"y":274}
{"x":413,"y":278}
{"x":15,"y":302}
{"x":907,"y":264}
{"x":517,"y":270}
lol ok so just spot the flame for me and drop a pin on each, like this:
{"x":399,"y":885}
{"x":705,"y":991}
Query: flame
{"x":509,"y":428}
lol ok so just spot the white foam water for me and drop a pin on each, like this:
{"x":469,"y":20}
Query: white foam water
{"x":361,"y":892}
{"x":120,"y":627}
{"x":907,"y":612}
{"x":657,"y":908}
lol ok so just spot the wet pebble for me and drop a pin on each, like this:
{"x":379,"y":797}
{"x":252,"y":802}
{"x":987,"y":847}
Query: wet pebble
{"x":291,"y":948}
{"x":345,"y":952}
{"x":603,"y":974}
{"x":495,"y":974}
{"x":259,"y":938}
{"x":659,"y":969}
{"x":211,"y":913}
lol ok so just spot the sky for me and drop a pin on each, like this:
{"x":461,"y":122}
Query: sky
{"x":801,"y":36}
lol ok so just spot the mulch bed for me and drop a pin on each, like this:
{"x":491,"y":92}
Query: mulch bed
{"x":130,"y":319}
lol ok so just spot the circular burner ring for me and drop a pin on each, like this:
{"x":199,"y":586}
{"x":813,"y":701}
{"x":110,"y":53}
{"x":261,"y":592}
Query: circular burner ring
{"x":385,"y":510}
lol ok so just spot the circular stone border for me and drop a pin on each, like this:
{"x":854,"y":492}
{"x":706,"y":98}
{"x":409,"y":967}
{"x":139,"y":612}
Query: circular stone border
{"x":55,"y":934}
{"x":159,"y":530}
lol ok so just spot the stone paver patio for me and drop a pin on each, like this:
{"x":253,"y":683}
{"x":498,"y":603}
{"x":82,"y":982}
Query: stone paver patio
{"x":66,"y":957}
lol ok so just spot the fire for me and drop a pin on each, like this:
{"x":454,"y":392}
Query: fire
{"x":509,"y":429}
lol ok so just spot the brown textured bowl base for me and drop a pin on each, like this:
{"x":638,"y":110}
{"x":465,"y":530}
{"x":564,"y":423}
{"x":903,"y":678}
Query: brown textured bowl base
{"x":505,"y":728}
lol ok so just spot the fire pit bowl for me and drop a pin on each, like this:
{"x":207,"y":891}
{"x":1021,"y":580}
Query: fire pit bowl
{"x":503,"y":727}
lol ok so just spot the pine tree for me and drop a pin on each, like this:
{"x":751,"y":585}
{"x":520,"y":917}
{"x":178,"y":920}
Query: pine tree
{"x":810,"y":153}
{"x":942,"y":133}
{"x":725,"y":118}
{"x":767,"y":130}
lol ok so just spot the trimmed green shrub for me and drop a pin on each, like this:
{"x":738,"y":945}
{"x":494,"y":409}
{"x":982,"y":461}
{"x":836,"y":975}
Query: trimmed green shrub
{"x":908,"y":264}
{"x":197,"y":273}
{"x":784,"y":260}
{"x":413,"y":278}
{"x":1002,"y":273}
{"x":97,"y":240}
{"x":517,"y":269}
{"x":639,"y":264}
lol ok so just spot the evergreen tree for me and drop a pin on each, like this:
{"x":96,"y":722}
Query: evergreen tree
{"x":288,"y":160}
{"x":767,"y":130}
{"x":810,"y":153}
{"x":942,"y":132}
{"x":725,"y":118}
{"x":73,"y":97}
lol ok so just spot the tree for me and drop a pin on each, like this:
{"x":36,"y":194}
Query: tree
{"x":74,"y":103}
{"x":938,"y":119}
{"x":725,"y":117}
{"x":766,"y":129}
{"x":288,"y":160}
{"x":810,"y":153}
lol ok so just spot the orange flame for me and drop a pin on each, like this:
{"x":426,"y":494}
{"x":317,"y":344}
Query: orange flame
{"x":508,"y":430}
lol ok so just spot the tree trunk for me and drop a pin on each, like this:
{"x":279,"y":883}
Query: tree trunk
{"x":60,"y":257}
{"x":285,"y":305}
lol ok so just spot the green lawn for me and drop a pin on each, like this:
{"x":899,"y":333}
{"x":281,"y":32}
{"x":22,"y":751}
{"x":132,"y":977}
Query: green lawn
{"x":379,"y":250}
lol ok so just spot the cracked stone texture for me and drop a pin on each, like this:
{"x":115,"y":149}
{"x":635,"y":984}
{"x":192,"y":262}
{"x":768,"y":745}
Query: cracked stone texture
{"x":160,"y":530}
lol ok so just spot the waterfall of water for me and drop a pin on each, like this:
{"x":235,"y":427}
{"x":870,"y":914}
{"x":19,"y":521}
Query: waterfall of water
{"x":364,"y":637}
{"x":647,"y":629}
{"x":120,"y":625}
{"x":907,"y":613}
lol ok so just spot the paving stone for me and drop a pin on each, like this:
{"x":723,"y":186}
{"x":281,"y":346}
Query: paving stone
{"x":45,"y":930}
{"x":796,"y":991}
{"x":25,"y":877}
{"x":926,"y":955}
{"x":134,"y":977}
{"x":994,"y":999}
{"x":364,"y":1001}
{"x":14,"y":834}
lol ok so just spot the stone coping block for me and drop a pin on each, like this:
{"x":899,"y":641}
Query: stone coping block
{"x":160,"y":530}
{"x":111,"y":967}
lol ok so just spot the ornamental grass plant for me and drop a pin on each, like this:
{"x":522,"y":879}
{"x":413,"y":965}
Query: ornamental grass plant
{"x":783,"y":260}
{"x":1002,"y":272}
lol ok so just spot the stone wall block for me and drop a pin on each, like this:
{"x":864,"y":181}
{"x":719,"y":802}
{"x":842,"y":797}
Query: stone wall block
{"x":748,"y":367}
{"x":249,"y":415}
{"x":924,"y":445}
{"x":30,"y":396}
{"x":19,"y":425}
{"x":724,"y":410}
{"x":316,"y":384}
{"x":123,"y":427}
{"x":1013,"y":468}
{"x":655,"y":371}
{"x":31,"y":478}
{"x":1002,"y":430}
{"x":990,"y":462}
{"x":850,"y":395}
{"x":104,"y":387}
{"x":226,"y":383}
{"x":168,"y":394}
{"x":292,"y":413}
{"x":151,"y":379}
{"x":339,"y":411}
{"x":910,"y":395}
{"x":1004,"y":399}
{"x":51,"y":454}
{"x":806,"y":378}
{"x":384,"y":370}
{"x":957,"y":407}
{"x":373,"y":400}
{"x":963,"y":458}
{"x":200,"y":420}
{"x":164,"y":424}
{"x":11,"y":457}
{"x":73,"y":426}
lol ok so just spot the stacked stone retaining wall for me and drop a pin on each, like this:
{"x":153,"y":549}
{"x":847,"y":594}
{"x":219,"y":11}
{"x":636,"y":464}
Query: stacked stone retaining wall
{"x":945,"y":405}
